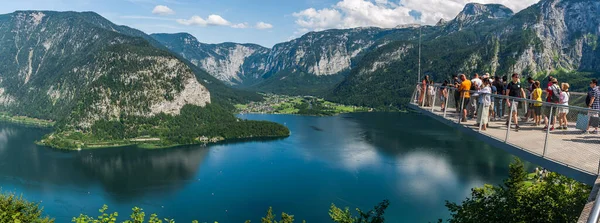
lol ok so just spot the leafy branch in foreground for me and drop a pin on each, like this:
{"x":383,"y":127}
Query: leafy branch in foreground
{"x":535,"y":197}
{"x":336,"y":214}
{"x":373,"y":216}
{"x":18,"y":210}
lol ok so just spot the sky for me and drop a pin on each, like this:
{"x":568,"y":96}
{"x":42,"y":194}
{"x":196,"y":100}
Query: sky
{"x":264,"y":22}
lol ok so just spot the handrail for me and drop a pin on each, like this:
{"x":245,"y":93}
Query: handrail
{"x":595,"y":213}
{"x":525,"y":99}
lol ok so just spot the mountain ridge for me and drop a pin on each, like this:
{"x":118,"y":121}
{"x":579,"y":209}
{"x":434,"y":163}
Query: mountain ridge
{"x":108,"y":84}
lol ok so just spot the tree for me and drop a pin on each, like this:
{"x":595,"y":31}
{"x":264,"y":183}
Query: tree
{"x":18,"y":210}
{"x":522,"y":198}
{"x":373,"y":216}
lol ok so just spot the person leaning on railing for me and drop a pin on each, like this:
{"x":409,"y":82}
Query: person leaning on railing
{"x":515,"y":90}
{"x":464,"y":88}
{"x":456,"y":83}
{"x":485,"y":102}
{"x":424,"y":84}
{"x":444,"y":94}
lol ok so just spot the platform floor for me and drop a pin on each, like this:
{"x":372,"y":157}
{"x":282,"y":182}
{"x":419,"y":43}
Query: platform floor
{"x":569,"y":147}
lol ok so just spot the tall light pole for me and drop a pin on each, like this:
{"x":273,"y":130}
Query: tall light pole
{"x":420,"y":34}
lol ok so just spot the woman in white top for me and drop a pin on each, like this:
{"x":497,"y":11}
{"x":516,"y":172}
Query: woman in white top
{"x":485,"y":102}
{"x":563,"y":111}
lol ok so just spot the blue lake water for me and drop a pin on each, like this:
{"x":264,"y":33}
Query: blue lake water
{"x":353,"y":160}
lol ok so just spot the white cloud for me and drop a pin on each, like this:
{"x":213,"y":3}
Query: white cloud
{"x":162,"y":10}
{"x":387,"y":14}
{"x":212,"y":20}
{"x":263,"y":25}
{"x":240,"y":25}
{"x":217,"y":20}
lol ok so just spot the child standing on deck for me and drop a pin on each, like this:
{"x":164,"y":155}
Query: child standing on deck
{"x":536,"y":95}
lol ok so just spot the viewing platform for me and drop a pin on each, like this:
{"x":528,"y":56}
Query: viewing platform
{"x":573,"y":152}
{"x":569,"y":152}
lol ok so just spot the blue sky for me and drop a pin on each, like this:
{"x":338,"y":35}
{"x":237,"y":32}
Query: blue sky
{"x":265,"y":22}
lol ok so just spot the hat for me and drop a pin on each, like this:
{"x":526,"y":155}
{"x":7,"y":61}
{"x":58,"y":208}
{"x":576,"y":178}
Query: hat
{"x":554,"y":80}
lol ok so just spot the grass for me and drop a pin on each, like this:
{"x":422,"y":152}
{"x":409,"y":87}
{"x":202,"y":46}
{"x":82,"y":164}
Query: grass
{"x":26,"y":120}
{"x":80,"y":141}
{"x":304,"y":105}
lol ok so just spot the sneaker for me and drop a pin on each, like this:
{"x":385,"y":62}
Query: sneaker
{"x":552,"y":129}
{"x":595,"y":132}
{"x":545,"y":128}
{"x":517,"y":128}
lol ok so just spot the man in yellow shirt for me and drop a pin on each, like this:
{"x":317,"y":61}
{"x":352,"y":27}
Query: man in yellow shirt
{"x":464,"y":89}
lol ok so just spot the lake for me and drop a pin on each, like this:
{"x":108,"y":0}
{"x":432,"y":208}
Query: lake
{"x":354,"y":160}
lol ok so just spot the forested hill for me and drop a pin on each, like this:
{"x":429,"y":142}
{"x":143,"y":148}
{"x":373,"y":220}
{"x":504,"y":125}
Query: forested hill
{"x":552,"y":36}
{"x":376,"y":67}
{"x":81,"y":69}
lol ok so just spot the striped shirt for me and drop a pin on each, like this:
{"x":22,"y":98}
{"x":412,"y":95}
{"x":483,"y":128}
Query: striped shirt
{"x":596,"y":95}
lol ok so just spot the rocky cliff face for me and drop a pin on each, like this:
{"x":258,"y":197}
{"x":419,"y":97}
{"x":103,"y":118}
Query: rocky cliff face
{"x":548,"y":36}
{"x":475,"y":13}
{"x":565,"y":35}
{"x":231,"y":63}
{"x":53,"y":64}
{"x":315,"y":58}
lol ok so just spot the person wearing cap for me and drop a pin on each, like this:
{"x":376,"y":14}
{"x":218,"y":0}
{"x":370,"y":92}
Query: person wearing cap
{"x":514,"y":89}
{"x":550,"y":117}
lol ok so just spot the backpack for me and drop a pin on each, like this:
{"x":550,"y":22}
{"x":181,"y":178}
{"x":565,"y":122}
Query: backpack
{"x":555,"y":94}
{"x":588,"y":99}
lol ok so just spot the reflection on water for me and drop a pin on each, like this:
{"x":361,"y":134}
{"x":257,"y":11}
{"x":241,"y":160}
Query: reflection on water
{"x":131,"y":172}
{"x":353,"y":160}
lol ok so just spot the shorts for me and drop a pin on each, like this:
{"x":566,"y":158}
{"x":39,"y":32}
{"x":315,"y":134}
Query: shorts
{"x":443,"y":99}
{"x":563,"y":110}
{"x":466,"y":103}
{"x":537,"y":110}
{"x":547,"y":112}
{"x":594,"y":121}
{"x":515,"y":107}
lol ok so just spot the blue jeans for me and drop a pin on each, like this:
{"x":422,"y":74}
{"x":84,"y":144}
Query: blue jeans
{"x":499,"y":107}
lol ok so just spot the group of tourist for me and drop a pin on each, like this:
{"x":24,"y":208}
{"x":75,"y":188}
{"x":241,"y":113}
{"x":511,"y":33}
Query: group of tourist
{"x":473,"y":100}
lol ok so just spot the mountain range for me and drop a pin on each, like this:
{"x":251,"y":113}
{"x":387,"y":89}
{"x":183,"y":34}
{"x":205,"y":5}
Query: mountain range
{"x":376,"y":67}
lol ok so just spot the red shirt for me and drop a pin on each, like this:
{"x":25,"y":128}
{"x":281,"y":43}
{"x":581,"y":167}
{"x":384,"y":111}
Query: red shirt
{"x":549,"y":91}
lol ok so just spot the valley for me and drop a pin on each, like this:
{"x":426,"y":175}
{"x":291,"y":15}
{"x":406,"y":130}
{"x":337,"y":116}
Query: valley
{"x":297,"y":105}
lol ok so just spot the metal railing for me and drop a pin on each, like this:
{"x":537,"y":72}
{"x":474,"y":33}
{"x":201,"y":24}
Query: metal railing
{"x":565,"y":141}
{"x":572,"y":146}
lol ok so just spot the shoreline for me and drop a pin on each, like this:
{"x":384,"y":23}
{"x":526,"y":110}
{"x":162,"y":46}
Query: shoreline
{"x":26,"y":121}
{"x":150,"y":146}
